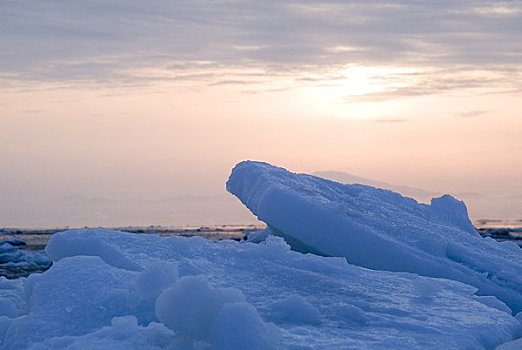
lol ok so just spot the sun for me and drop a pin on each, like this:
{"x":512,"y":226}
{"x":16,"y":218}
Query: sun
{"x":362,"y":80}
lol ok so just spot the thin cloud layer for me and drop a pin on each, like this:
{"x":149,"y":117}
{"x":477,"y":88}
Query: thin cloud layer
{"x":392,"y":120}
{"x":109,"y":41}
{"x":472,"y":114}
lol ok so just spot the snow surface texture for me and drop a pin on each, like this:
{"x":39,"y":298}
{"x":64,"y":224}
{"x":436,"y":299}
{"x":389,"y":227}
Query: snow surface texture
{"x":192,"y":293}
{"x":379,"y":229}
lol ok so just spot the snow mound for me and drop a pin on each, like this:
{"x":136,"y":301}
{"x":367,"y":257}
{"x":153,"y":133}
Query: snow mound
{"x":239,"y":326}
{"x":87,"y":245}
{"x":118,"y":335}
{"x":296,"y":310}
{"x":191,"y":293}
{"x":155,"y":278}
{"x":379,"y":229}
{"x":191,"y":306}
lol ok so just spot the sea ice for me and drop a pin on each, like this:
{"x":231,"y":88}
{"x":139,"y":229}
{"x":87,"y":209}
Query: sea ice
{"x":156,"y":277}
{"x":115,"y":290}
{"x":239,"y":326}
{"x":295,"y":309}
{"x":379,"y":229}
{"x":15,"y":261}
{"x":192,"y":293}
{"x":191,"y":306}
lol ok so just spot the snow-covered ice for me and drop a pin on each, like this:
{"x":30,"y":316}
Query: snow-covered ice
{"x":379,"y":229}
{"x":115,"y":290}
{"x":192,"y":293}
{"x":16,"y":261}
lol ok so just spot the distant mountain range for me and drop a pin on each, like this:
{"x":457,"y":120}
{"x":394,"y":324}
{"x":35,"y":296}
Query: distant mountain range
{"x":480,"y":206}
{"x":345,"y":178}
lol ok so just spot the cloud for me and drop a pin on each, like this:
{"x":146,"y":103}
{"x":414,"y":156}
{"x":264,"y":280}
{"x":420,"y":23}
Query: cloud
{"x":499,"y":10}
{"x":472,"y":114}
{"x":106,"y":41}
{"x":425,"y":81}
{"x":34,"y":111}
{"x":392,"y":120}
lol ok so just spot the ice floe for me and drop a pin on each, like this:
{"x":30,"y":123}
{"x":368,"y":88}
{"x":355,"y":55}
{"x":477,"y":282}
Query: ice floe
{"x":192,"y":293}
{"x":379,"y":229}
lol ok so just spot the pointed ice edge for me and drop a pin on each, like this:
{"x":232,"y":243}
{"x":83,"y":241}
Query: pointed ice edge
{"x":379,"y":229}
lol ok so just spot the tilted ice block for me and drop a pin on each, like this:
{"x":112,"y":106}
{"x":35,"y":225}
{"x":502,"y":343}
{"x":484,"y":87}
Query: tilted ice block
{"x":379,"y":229}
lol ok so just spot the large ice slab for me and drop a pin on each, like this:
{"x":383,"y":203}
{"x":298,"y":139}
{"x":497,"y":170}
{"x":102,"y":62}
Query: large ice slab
{"x":379,"y":229}
{"x":191,"y":293}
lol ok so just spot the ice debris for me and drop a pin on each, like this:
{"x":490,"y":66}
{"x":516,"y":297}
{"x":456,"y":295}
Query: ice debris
{"x":16,"y":261}
{"x":191,"y":293}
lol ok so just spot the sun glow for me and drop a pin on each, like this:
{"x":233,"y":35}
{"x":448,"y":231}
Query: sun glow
{"x":361,"y":80}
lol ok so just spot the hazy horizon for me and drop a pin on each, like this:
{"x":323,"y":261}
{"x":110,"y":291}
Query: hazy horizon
{"x":208,"y":210}
{"x":135,"y":102}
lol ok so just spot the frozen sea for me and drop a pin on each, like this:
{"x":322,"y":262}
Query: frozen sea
{"x":334,"y":267}
{"x":32,"y":242}
{"x":22,"y":251}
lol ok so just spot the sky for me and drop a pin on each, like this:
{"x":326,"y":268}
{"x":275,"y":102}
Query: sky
{"x":134,"y":112}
